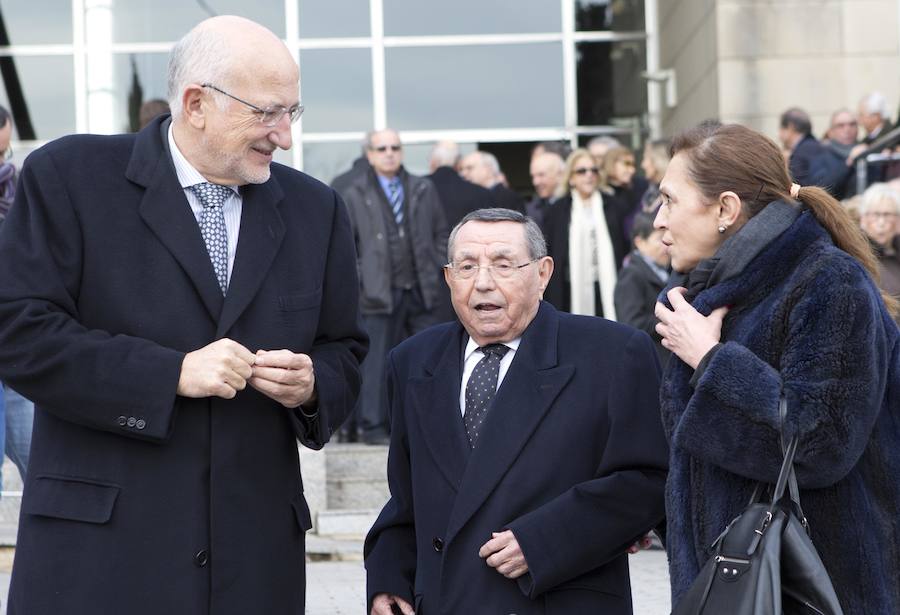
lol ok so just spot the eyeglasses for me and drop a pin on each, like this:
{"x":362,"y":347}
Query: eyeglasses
{"x":383,"y":148}
{"x":586,"y":170}
{"x":269,"y":116}
{"x":503,"y":270}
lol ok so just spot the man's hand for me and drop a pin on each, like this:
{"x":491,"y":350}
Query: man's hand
{"x":644,"y":542}
{"x":685,"y":331}
{"x":502,"y":552}
{"x":382,"y":604}
{"x":220,"y":369}
{"x":285,"y":376}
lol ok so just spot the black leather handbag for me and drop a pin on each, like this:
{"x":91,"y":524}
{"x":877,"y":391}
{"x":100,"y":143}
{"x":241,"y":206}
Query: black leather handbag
{"x":764,"y":562}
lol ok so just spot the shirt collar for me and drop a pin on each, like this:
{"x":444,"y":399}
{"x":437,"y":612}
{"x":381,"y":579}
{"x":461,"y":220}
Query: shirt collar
{"x":472,"y":346}
{"x":187,"y":175}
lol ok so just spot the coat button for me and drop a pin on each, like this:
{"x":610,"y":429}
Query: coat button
{"x":122,"y":421}
{"x":201,"y":558}
{"x":141,"y":423}
{"x":131,"y":421}
{"x":438,"y":544}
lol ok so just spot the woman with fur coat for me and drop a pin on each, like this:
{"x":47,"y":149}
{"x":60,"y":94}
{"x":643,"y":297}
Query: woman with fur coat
{"x":776,"y":298}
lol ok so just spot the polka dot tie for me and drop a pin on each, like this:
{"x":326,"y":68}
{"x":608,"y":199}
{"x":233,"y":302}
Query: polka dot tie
{"x":481,"y":388}
{"x":212,"y":227}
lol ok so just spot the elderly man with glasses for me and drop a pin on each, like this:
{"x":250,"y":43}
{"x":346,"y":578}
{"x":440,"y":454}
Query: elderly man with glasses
{"x":401,"y":233}
{"x":527,"y":453}
{"x":182,"y":311}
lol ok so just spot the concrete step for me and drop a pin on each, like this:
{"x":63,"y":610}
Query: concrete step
{"x":355,"y":477}
{"x":322,"y":548}
{"x":345,"y":524}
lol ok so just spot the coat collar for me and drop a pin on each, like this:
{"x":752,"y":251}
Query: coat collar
{"x":164,"y":209}
{"x":533,"y":382}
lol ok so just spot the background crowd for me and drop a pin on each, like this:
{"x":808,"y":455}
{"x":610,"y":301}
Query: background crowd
{"x":596,"y":206}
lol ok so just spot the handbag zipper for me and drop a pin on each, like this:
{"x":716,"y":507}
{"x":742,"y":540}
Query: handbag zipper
{"x":731,"y":560}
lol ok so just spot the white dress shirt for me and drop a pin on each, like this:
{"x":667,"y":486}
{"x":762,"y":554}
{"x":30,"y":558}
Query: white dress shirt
{"x":472,"y":356}
{"x":189,"y":176}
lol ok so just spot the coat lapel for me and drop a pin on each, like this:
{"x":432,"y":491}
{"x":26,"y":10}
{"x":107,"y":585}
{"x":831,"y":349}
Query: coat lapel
{"x":436,"y":400}
{"x":531,"y":385}
{"x":165,"y":210}
{"x":262,"y":231}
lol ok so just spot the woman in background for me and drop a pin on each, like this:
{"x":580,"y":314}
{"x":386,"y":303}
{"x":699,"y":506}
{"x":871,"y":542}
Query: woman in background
{"x":585,"y":240}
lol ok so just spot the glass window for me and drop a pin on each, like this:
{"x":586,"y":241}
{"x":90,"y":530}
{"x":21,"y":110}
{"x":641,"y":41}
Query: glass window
{"x":616,"y":15}
{"x":137,"y":21}
{"x":35,"y":23}
{"x":479,"y":86}
{"x":609,"y":83}
{"x":43,"y":95}
{"x":334,"y":19}
{"x":325,"y":161}
{"x":336,"y":88}
{"x":134,"y":80}
{"x":417,"y":18}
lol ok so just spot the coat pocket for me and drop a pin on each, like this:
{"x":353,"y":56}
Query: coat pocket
{"x":301,"y":513}
{"x":75,"y":499}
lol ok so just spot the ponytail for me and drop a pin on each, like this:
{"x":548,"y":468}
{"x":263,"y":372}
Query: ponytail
{"x":846,"y":235}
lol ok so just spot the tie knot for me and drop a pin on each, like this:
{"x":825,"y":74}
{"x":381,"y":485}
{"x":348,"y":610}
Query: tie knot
{"x":211,"y":195}
{"x":498,"y":350}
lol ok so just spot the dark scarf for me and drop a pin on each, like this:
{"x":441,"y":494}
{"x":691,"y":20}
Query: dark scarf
{"x":738,"y":251}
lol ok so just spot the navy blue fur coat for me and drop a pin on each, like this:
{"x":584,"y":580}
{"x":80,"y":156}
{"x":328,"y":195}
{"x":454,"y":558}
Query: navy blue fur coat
{"x":805,"y":319}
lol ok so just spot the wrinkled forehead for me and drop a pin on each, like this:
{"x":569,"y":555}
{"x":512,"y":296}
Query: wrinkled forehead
{"x":491,"y":240}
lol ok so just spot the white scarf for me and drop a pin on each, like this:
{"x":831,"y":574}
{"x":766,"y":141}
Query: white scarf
{"x":587,"y":218}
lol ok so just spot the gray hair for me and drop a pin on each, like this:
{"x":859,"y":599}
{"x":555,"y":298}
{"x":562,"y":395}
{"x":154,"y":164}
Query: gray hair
{"x":608,"y":141}
{"x":875,"y":194}
{"x":367,"y":141}
{"x":203,"y":55}
{"x":444,"y":154}
{"x":534,"y":238}
{"x":490,"y":161}
{"x":875,"y":103}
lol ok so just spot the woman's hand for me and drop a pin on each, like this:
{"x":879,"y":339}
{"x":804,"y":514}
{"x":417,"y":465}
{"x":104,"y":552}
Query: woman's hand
{"x":685,"y":331}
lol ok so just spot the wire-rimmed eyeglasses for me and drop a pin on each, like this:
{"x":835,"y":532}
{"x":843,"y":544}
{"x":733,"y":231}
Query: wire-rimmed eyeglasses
{"x":467,"y":271}
{"x":269,"y":116}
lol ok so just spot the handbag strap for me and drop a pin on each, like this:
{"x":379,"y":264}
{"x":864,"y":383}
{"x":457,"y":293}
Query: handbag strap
{"x":792,"y":478}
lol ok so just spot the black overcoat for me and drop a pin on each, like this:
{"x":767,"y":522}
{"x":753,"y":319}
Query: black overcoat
{"x":571,"y":458}
{"x":137,"y":500}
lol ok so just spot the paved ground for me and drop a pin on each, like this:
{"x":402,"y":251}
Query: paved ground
{"x":338,"y":588}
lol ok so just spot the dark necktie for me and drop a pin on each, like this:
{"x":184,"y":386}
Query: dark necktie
{"x":481,"y":388}
{"x":396,"y":199}
{"x":212,"y":227}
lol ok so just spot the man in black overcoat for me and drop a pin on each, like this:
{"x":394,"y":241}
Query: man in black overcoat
{"x":182,"y":311}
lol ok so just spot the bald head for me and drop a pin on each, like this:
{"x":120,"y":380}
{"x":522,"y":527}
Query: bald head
{"x":227,"y":51}
{"x":233,"y":91}
{"x":546,"y":173}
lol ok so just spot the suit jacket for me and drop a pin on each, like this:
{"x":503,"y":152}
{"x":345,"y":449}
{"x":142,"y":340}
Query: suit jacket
{"x":571,"y":458}
{"x":805,"y":164}
{"x":504,"y":197}
{"x":138,"y":500}
{"x":556,"y":231}
{"x":459,"y":198}
{"x":424,"y":217}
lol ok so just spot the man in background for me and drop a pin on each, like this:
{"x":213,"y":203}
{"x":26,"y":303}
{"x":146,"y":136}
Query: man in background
{"x":546,"y":174}
{"x":400,"y":233}
{"x":483,"y":169}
